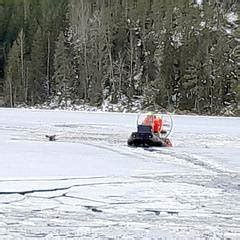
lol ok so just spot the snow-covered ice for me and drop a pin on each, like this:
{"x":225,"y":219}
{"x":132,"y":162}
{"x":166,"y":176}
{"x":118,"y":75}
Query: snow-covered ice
{"x":90,"y":185}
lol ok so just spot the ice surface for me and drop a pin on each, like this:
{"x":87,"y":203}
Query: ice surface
{"x":90,"y":185}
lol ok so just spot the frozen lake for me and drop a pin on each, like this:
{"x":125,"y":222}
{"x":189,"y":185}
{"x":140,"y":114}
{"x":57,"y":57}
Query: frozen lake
{"x":90,"y":184}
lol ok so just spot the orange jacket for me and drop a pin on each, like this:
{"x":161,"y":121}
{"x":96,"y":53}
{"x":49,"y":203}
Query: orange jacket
{"x":154,"y":122}
{"x":157,"y":125}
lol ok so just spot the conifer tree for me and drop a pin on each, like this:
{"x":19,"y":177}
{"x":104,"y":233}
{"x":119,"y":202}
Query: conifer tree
{"x":177,"y":54}
{"x":15,"y":71}
{"x":37,"y":70}
{"x":63,"y":71}
{"x":13,"y":75}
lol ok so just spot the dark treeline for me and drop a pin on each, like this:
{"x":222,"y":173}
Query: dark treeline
{"x":182,"y":55}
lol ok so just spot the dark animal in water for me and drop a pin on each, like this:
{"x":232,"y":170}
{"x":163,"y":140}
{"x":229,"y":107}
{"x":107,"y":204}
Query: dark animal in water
{"x":51,"y":138}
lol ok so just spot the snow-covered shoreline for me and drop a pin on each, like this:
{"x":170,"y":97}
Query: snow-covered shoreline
{"x":125,"y":106}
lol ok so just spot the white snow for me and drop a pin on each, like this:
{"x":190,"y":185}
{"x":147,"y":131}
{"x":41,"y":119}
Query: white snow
{"x":90,"y":185}
{"x":232,"y":17}
{"x":199,"y":2}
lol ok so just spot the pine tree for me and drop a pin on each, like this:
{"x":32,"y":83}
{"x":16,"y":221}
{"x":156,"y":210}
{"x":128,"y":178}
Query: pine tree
{"x":13,"y":75}
{"x":37,"y":70}
{"x":63,"y":71}
{"x":235,"y":56}
{"x":78,"y":34}
{"x":99,"y":57}
{"x":16,"y":84}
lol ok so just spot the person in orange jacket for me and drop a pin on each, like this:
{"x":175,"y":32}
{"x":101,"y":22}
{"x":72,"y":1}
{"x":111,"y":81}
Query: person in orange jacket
{"x":155,"y":122}
{"x":157,"y":125}
{"x":148,"y":121}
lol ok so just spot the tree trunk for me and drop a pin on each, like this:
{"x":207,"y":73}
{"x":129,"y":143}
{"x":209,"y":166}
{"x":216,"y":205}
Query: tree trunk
{"x":26,"y":86}
{"x":48,"y":64}
{"x":86,"y":72}
{"x":131,"y":63}
{"x":23,"y":84}
{"x":110,"y":58}
{"x":10,"y":91}
{"x":120,"y":72}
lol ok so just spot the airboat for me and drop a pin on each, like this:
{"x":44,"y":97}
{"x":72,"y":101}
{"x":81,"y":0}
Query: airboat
{"x":145,"y":137}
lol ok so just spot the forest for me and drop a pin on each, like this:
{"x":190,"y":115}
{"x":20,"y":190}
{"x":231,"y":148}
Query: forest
{"x":161,"y":54}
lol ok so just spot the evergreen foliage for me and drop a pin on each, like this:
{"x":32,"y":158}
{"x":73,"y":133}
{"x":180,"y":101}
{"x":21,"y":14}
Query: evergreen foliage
{"x":63,"y":71}
{"x":179,"y":55}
